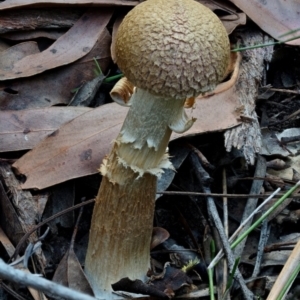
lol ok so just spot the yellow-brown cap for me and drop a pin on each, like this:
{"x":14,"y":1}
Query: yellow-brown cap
{"x":173,"y":48}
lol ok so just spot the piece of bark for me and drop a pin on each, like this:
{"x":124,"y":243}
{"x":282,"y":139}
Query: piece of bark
{"x":24,"y":204}
{"x":247,"y":136}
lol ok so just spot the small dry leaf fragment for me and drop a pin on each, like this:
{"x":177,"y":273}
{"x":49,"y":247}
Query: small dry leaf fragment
{"x":159,"y":235}
{"x":170,"y":280}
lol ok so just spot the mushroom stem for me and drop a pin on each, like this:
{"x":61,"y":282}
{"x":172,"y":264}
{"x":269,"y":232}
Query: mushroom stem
{"x":120,"y":235}
{"x":146,"y":131}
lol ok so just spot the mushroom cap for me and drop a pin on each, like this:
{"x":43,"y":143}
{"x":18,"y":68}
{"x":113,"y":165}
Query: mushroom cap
{"x":173,"y":48}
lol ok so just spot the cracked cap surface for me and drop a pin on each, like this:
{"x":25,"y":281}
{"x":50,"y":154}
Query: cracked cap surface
{"x":173,"y":48}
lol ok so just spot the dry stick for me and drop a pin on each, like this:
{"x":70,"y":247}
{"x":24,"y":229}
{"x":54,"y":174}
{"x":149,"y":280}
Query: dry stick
{"x":26,"y":236}
{"x":241,"y":196}
{"x":225,"y":222}
{"x":264,"y":236}
{"x":280,"y":90}
{"x":221,"y":254}
{"x":204,"y":181}
{"x":47,"y":286}
{"x":260,"y":171}
{"x":213,"y":214}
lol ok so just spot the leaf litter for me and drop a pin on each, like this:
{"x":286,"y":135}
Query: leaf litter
{"x":70,"y":142}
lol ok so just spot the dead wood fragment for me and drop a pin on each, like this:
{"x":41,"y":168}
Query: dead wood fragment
{"x":23,"y":203}
{"x":248,"y":136}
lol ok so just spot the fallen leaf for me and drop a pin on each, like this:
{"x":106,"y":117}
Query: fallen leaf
{"x":74,"y":44}
{"x":69,"y":273}
{"x":178,"y":155}
{"x":272,"y":142}
{"x":230,"y":16}
{"x":74,"y":150}
{"x":275,"y":17}
{"x":21,"y":130}
{"x":54,"y":87}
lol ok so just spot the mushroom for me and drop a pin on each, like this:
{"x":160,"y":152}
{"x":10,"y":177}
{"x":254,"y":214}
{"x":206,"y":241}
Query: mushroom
{"x":169,"y":50}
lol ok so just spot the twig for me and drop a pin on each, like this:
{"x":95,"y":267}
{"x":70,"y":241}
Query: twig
{"x":213,"y":214}
{"x":264,"y":236}
{"x":47,"y":286}
{"x":226,"y":227}
{"x":26,"y":236}
{"x":220,"y":254}
{"x":242,"y":196}
{"x":204,"y":180}
{"x":280,"y":90}
{"x":260,"y":171}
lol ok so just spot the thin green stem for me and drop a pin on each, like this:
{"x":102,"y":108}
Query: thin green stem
{"x":289,"y":283}
{"x":264,"y":45}
{"x":211,"y":272}
{"x":112,"y":78}
{"x":265,"y":215}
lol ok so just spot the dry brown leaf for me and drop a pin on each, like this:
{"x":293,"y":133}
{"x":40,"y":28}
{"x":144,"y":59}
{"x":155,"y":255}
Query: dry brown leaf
{"x":21,"y":130}
{"x":42,"y":3}
{"x":231,"y":16}
{"x":69,"y":273}
{"x":54,"y":87}
{"x":276,"y":17}
{"x":74,"y":44}
{"x":74,"y":150}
